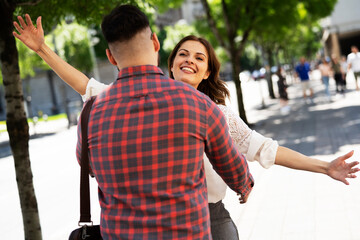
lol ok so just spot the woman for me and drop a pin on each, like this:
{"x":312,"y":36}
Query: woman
{"x":338,"y":74}
{"x":193,"y":61}
{"x":325,"y":70}
{"x":282,"y":87}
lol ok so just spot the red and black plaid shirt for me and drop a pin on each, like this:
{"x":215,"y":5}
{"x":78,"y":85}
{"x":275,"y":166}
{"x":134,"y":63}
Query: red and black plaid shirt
{"x":147,"y":136}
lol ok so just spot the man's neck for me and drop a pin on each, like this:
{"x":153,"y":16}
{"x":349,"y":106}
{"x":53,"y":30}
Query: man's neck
{"x":135,"y":62}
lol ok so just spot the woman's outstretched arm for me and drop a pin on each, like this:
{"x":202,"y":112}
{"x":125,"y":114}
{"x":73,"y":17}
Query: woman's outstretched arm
{"x":267,"y":152}
{"x":337,"y":169}
{"x":33,"y":38}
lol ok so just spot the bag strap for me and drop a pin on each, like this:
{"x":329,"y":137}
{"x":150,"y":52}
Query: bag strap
{"x":85,"y":215}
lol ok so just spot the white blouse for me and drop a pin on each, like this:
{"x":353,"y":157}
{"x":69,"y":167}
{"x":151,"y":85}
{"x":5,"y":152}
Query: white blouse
{"x":252,"y":144}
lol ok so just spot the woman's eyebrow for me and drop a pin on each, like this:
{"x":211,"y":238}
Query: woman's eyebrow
{"x":183,"y":49}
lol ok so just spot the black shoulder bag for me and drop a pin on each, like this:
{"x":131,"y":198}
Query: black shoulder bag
{"x":87,"y":231}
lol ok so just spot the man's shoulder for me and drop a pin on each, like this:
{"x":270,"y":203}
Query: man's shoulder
{"x":350,"y":56}
{"x":184,"y":87}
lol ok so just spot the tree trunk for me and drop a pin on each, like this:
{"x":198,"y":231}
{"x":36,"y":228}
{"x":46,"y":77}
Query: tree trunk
{"x":269,"y":73}
{"x":16,"y":122}
{"x":54,"y":108}
{"x":235,"y":64}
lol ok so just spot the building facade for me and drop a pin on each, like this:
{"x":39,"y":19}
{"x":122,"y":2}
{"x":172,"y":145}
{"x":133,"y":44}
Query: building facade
{"x":342,"y":28}
{"x":46,"y":93}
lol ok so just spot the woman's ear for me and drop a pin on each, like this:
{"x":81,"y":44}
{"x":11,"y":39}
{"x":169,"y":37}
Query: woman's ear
{"x":111,"y":57}
{"x":207,"y":74}
{"x":172,"y":68}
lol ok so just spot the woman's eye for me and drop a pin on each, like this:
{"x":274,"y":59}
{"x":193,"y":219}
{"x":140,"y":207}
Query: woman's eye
{"x":200,"y":59}
{"x":182,"y":54}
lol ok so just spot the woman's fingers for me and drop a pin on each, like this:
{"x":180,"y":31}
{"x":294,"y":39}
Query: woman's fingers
{"x":38,"y":24}
{"x":18,"y":28}
{"x":349,"y":154}
{"x":28,"y":20}
{"x":22,"y":22}
{"x":353,"y":164}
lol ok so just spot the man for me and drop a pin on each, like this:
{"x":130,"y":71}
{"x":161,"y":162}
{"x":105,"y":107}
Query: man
{"x":302,"y":70}
{"x":353,"y":60}
{"x":147,"y":135}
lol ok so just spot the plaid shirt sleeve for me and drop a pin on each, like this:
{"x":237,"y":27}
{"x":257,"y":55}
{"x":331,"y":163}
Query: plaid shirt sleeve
{"x":224,"y":156}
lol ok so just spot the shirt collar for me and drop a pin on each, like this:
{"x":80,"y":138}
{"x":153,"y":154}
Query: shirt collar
{"x":139,"y":70}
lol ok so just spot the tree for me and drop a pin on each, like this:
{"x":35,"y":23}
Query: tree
{"x":299,"y":36}
{"x":232,"y":22}
{"x":16,"y":121}
{"x":84,"y":11}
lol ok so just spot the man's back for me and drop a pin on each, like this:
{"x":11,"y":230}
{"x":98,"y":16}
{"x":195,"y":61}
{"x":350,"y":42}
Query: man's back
{"x":147,"y":135}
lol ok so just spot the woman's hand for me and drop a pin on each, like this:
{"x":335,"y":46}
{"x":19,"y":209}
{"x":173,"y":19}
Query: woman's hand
{"x":340,"y":170}
{"x":31,"y":36}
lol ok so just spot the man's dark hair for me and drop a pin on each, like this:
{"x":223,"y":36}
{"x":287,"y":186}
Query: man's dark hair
{"x":123,"y":23}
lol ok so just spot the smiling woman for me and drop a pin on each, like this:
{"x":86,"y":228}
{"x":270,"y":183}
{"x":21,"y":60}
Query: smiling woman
{"x":190,"y":63}
{"x":195,"y":54}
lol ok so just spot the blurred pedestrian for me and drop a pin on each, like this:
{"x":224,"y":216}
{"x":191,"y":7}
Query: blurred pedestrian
{"x":344,"y":66}
{"x":353,"y":60}
{"x":302,"y":70}
{"x":338,"y":74}
{"x":325,"y":70}
{"x":282,"y":88}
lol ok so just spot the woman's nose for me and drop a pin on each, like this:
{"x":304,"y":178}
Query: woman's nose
{"x":189,"y":59}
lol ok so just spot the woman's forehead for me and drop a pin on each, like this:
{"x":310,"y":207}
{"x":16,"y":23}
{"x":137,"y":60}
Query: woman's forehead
{"x":193,"y":46}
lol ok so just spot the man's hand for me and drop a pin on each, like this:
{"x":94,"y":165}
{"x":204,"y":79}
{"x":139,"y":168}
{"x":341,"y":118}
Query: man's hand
{"x":31,"y":36}
{"x":243,"y":198}
{"x":340,"y":170}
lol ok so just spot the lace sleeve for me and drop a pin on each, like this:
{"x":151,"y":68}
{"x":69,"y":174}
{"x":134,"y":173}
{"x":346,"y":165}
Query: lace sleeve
{"x":252,"y":144}
{"x":239,"y":131}
{"x":93,"y":88}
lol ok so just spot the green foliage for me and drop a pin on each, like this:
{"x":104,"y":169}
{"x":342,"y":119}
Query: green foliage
{"x":319,"y":8}
{"x":175,"y":33}
{"x":84,"y":11}
{"x":251,"y":59}
{"x":272,"y":23}
{"x":73,"y":45}
{"x":163,"y":54}
{"x":87,"y":12}
{"x":101,"y":44}
{"x":28,"y":61}
{"x":170,"y":36}
{"x":294,"y":28}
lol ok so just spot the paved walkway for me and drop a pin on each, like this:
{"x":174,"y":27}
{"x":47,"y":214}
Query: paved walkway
{"x":287,"y":204}
{"x":284,"y":205}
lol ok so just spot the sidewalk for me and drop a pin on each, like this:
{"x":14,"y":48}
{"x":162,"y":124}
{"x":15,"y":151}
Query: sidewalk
{"x":286,"y":204}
